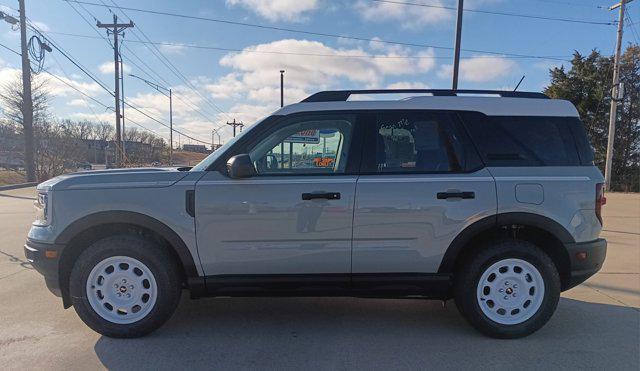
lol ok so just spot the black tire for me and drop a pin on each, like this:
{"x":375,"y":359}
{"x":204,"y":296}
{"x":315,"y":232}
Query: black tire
{"x":468,"y":275}
{"x":158,"y":261}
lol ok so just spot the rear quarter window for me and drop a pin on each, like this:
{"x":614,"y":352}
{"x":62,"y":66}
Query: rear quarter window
{"x":524,"y":140}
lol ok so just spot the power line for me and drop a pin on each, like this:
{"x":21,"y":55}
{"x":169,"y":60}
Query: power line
{"x":67,"y":76}
{"x":188,"y":102}
{"x":364,"y":56}
{"x":169,"y":64}
{"x":91,"y":76}
{"x":94,"y":99}
{"x":65,"y":54}
{"x":11,"y":50}
{"x":632,"y":27}
{"x":128,"y":104}
{"x":571,"y":4}
{"x":162,"y":123}
{"x":74,"y":62}
{"x":491,"y":12}
{"x":299,"y":31}
{"x":78,"y":65}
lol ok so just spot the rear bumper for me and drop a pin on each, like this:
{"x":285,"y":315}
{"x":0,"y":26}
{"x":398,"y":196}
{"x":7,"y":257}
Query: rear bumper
{"x":44,"y":258}
{"x":586,"y":260}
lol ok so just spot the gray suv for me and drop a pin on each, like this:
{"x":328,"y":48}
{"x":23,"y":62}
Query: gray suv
{"x":487,"y":197}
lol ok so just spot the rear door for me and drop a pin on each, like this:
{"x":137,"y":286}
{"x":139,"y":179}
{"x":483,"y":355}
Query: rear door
{"x":421,"y":184}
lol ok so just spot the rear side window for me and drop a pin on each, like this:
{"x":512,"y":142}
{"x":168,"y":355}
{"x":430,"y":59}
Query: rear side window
{"x":416,"y":142}
{"x":523,"y":141}
{"x":585,"y":150}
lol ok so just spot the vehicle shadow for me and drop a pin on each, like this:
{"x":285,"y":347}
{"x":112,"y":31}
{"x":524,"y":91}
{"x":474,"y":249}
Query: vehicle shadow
{"x":348,"y":333}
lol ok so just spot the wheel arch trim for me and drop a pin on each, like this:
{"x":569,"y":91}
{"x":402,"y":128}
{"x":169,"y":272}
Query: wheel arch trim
{"x":136,"y":219}
{"x":490,"y":222}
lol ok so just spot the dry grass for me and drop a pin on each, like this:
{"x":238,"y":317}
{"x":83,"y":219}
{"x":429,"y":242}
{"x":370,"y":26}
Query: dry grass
{"x":11,"y":177}
{"x":187,"y":158}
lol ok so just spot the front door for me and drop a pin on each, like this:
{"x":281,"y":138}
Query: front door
{"x":295,"y":216}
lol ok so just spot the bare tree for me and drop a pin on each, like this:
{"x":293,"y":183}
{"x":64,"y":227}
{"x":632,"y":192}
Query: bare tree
{"x":11,"y":98}
{"x":57,"y":150}
{"x":103,"y":132}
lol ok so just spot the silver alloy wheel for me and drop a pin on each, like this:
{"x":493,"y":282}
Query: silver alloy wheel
{"x":121,"y":289}
{"x":510,"y":291}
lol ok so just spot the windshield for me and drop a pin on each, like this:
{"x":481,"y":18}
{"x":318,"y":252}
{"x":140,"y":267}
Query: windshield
{"x":204,"y":164}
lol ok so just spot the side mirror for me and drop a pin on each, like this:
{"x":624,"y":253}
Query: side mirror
{"x":241,"y":166}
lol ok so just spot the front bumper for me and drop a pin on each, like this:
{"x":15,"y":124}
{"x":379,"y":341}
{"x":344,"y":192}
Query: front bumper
{"x":586,"y":260}
{"x":44,"y":258}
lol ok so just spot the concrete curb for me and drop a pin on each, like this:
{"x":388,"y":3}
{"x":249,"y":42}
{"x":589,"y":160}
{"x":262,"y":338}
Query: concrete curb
{"x":16,"y":186}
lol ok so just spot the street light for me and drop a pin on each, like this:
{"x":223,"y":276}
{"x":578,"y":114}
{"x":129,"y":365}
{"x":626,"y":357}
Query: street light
{"x":162,"y":90}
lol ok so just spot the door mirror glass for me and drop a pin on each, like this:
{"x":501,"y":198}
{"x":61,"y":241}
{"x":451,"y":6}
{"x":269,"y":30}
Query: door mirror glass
{"x":240,"y":166}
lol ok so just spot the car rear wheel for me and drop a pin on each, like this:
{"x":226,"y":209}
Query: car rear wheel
{"x":509,"y":289}
{"x":125,"y":286}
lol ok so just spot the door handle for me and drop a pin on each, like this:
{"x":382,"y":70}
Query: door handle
{"x":314,"y":196}
{"x":463,"y":195}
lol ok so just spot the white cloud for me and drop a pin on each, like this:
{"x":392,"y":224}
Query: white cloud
{"x":255,"y":77}
{"x":407,"y":16}
{"x":250,"y":113}
{"x":108,"y":68}
{"x":174,"y":49}
{"x":408,"y":85}
{"x":314,"y":66}
{"x":41,"y":26}
{"x":227,"y":87}
{"x":107,"y":117}
{"x":78,"y":103}
{"x":58,"y":88}
{"x":55,"y":87}
{"x":275,"y":10}
{"x":480,"y":68}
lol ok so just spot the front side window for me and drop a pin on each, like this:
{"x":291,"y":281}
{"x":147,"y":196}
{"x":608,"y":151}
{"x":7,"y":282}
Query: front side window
{"x":305,"y":146}
{"x":414,"y":142}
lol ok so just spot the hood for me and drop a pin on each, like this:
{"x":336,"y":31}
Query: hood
{"x":115,"y":178}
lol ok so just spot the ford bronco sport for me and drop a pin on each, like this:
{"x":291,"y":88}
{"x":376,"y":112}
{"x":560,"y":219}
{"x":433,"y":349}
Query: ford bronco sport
{"x":490,"y":198}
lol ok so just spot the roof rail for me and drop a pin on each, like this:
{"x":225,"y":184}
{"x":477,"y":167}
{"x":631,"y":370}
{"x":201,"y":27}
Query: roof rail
{"x":343,"y":95}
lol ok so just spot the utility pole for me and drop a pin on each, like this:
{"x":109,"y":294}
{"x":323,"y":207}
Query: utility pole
{"x":170,"y":128}
{"x":456,"y":53}
{"x":116,"y":29}
{"x":235,"y":125}
{"x":27,"y":102}
{"x":213,"y":146}
{"x":124,"y":132}
{"x":613,"y":110}
{"x":281,"y":88}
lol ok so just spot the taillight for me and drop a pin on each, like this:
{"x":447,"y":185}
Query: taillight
{"x":600,"y":200}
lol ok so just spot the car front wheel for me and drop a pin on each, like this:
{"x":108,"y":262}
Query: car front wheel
{"x":125,"y":286}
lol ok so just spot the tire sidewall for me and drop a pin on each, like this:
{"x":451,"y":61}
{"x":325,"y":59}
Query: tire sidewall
{"x":147,"y":252}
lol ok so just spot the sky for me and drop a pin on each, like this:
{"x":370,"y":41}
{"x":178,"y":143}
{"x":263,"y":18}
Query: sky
{"x":220,"y":70}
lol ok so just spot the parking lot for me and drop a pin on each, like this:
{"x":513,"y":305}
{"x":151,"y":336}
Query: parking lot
{"x":597,"y":324}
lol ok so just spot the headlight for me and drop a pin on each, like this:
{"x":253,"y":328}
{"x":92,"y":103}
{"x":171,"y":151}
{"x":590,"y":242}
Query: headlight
{"x":43,"y":212}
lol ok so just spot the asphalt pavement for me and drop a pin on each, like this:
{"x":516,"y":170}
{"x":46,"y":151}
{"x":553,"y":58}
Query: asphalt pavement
{"x":596,"y":325}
